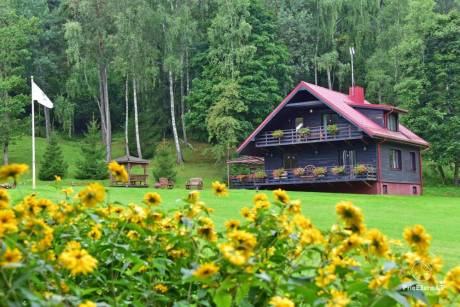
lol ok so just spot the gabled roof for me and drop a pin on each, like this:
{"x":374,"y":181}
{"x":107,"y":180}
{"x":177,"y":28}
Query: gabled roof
{"x":131,"y":159}
{"x":341,"y":104}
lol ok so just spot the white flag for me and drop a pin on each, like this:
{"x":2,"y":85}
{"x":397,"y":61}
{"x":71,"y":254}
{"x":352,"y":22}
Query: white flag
{"x":40,"y":97}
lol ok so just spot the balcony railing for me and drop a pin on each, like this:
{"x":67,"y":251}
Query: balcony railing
{"x":307,"y":175}
{"x":316,"y":134}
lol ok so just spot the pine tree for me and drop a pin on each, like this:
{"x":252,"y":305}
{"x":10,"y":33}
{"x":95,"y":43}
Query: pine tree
{"x":164,"y":163}
{"x":53,"y":163}
{"x":93,"y":165}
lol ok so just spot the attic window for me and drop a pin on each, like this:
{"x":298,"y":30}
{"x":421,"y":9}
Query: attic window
{"x":393,"y":122}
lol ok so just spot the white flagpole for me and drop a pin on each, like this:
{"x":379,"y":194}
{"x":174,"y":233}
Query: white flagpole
{"x":33,"y":137}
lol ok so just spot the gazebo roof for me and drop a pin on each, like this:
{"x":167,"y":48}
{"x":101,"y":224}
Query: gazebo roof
{"x":247,"y":160}
{"x":131,"y":159}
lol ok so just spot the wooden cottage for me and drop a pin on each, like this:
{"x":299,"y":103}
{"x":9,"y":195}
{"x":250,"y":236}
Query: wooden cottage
{"x":322,"y":140}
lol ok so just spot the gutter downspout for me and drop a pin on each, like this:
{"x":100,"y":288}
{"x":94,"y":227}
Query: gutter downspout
{"x":379,"y":166}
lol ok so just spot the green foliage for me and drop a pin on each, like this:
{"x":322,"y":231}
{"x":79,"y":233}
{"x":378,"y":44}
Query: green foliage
{"x":93,"y":165}
{"x":278,"y":134}
{"x":164,"y":163}
{"x":52,"y":163}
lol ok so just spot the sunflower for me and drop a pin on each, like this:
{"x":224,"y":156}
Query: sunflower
{"x":8,"y":222}
{"x":452,"y":280}
{"x":206,"y":270}
{"x":118,"y":171}
{"x":279,"y":301}
{"x":12,"y":171}
{"x":67,"y":191}
{"x":350,"y":214}
{"x":4,"y":199}
{"x":242,"y":240}
{"x":234,"y":256}
{"x":95,"y":232}
{"x":94,"y":193}
{"x":152,"y":199}
{"x":160,"y":288}
{"x":248,"y":214}
{"x":208,"y":232}
{"x":57,"y":178}
{"x":311,"y":236}
{"x":87,"y":304}
{"x":378,"y":243}
{"x":417,"y":238}
{"x":133,"y":235}
{"x":193,"y":197}
{"x":232,"y":224}
{"x":77,"y":261}
{"x":259,"y":197}
{"x":338,"y":299}
{"x":281,"y":196}
{"x":10,"y":256}
{"x":220,"y":189}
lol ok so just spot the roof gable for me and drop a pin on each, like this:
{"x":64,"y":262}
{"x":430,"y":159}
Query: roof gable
{"x":341,"y":104}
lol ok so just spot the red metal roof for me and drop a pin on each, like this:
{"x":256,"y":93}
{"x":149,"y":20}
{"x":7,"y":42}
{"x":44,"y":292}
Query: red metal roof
{"x":342,"y":104}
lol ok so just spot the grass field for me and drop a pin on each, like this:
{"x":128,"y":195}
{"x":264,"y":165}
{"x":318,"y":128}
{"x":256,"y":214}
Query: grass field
{"x":438,"y":209}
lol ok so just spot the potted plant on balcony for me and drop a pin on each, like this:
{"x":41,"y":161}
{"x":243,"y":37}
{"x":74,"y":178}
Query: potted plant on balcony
{"x":278,"y":173}
{"x":338,"y":170}
{"x":259,"y":175}
{"x":278,"y":134}
{"x":360,"y":169}
{"x":332,"y":129}
{"x":304,"y":132}
{"x":320,"y":171}
{"x":298,"y":172}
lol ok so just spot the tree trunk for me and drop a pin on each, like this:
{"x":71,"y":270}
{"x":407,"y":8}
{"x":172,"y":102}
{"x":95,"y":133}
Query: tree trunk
{"x":136,"y":119}
{"x":187,"y":75}
{"x":126,"y":116}
{"x":441,"y":173}
{"x":456,"y":170}
{"x":101,"y":105}
{"x":6,"y":159}
{"x":182,"y":108}
{"x":180,"y":160}
{"x":329,"y":81}
{"x":108,"y":140}
{"x":47,"y":123}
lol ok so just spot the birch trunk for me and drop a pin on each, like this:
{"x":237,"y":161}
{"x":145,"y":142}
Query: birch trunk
{"x":180,"y":160}
{"x":47,"y":123}
{"x":6,"y":159}
{"x":182,"y":109}
{"x":101,"y":105}
{"x":329,"y":81}
{"x":126,"y":116}
{"x":105,"y":111}
{"x":136,"y":119}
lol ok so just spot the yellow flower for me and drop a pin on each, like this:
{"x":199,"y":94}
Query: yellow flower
{"x":208,"y":232}
{"x":311,"y":236}
{"x":95,"y":232}
{"x":4,"y":199}
{"x":94,"y":193}
{"x":152,"y":199}
{"x":380,"y":281}
{"x":8,"y":222}
{"x":57,"y":178}
{"x":325,"y":276}
{"x":233,"y":255}
{"x":160,"y":288}
{"x":87,"y":304}
{"x":248,"y":214}
{"x":279,"y":301}
{"x":295,"y":207}
{"x":350,"y":214}
{"x":338,"y":299}
{"x":12,"y":171}
{"x":452,"y":280}
{"x":262,"y":204}
{"x":281,"y":196}
{"x":242,"y":240}
{"x":302,"y":222}
{"x":259,"y":197}
{"x":193,"y":197}
{"x":10,"y":256}
{"x":77,"y":261}
{"x":67,"y":191}
{"x":64,"y":287}
{"x":232,"y":224}
{"x":417,"y":238}
{"x":378,"y":243}
{"x":206,"y":270}
{"x":220,"y":189}
{"x":133,"y":235}
{"x":118,"y":171}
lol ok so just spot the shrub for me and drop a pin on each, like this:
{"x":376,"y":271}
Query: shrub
{"x":278,"y":134}
{"x":157,"y":256}
{"x":332,"y":129}
{"x":278,"y":172}
{"x":260,"y":174}
{"x":164,"y":163}
{"x":52,"y":163}
{"x":303,"y":132}
{"x":298,"y":171}
{"x":338,"y":170}
{"x":319,"y":171}
{"x":360,"y":169}
{"x":93,"y":165}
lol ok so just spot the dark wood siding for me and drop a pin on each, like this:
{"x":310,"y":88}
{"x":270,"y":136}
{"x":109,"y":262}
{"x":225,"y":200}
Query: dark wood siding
{"x":406,"y":174}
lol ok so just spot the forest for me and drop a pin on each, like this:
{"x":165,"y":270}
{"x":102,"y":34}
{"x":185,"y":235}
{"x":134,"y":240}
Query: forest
{"x":212,"y":70}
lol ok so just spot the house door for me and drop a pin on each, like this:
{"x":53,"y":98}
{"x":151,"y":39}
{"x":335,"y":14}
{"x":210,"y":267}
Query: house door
{"x":347,"y":157}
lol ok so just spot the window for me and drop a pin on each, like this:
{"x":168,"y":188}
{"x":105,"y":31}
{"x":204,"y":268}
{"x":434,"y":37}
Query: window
{"x":414,"y":190}
{"x":385,"y":189}
{"x":298,"y":123}
{"x":392,"y":123}
{"x":289,"y":161}
{"x":413,"y":161}
{"x":347,"y":157}
{"x":395,"y":159}
{"x":330,"y":119}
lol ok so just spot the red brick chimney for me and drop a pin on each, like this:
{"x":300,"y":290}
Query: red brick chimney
{"x":356,"y":94}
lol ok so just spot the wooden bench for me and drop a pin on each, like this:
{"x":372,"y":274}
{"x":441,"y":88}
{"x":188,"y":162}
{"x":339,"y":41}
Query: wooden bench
{"x":164,"y":183}
{"x":194,"y":183}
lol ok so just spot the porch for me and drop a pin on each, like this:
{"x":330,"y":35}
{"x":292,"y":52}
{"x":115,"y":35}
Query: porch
{"x":308,"y":135}
{"x":308,"y":175}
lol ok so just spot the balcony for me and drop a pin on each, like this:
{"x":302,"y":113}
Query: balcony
{"x":307,"y":175}
{"x":314,"y":135}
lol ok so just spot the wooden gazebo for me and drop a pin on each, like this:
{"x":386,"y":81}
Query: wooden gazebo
{"x":135,"y":180}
